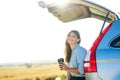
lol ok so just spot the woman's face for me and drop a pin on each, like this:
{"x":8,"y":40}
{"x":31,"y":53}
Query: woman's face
{"x":72,"y":39}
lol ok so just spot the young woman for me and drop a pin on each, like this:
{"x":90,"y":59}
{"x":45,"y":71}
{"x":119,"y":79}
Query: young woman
{"x":74,"y":56}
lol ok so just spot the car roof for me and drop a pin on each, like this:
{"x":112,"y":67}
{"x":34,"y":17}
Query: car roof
{"x":81,"y":9}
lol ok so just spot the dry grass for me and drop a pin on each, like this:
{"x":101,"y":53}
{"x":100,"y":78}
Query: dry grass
{"x":41,"y":72}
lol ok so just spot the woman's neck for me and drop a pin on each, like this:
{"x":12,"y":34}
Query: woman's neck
{"x":72,"y":46}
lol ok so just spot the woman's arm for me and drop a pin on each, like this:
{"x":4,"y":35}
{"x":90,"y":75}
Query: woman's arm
{"x":75,"y":70}
{"x":64,"y":67}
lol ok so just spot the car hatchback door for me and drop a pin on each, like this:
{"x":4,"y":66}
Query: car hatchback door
{"x":78,"y":9}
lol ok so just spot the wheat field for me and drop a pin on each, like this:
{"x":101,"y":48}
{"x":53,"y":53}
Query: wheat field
{"x":34,"y":72}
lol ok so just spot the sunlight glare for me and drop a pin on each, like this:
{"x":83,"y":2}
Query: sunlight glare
{"x":61,"y":2}
{"x":56,"y":2}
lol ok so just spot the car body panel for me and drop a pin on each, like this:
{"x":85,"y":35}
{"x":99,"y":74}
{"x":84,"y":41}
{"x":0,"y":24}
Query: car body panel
{"x":108,"y":58}
{"x":92,"y":76}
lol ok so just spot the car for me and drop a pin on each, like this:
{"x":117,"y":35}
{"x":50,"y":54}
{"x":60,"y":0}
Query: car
{"x":102,"y":61}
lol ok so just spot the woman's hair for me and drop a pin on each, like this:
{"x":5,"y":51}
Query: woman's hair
{"x":68,"y":50}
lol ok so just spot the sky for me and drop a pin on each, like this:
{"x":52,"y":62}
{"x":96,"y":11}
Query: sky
{"x":29,"y":33}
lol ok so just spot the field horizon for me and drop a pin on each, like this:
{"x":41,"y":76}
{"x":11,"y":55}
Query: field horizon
{"x":29,"y":63}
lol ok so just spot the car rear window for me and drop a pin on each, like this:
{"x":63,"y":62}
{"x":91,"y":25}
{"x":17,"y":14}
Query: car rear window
{"x":116,"y":42}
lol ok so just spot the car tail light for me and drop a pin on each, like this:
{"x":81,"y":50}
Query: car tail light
{"x":90,"y":61}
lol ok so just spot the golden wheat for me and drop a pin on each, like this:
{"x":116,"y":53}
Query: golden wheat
{"x":41,"y":72}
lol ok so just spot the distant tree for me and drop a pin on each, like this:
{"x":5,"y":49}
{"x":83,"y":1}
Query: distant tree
{"x":28,"y":65}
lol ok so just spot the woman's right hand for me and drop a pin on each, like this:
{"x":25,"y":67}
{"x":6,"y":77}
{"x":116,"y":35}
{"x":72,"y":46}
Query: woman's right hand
{"x":61,"y":65}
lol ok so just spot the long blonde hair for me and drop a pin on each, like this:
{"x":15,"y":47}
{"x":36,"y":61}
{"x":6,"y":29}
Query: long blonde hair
{"x":68,"y":50}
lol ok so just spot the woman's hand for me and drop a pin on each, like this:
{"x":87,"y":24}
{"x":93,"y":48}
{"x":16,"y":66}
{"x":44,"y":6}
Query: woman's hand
{"x":63,"y":66}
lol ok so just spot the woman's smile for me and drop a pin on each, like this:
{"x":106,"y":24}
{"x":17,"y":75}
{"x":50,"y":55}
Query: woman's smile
{"x":72,"y":38}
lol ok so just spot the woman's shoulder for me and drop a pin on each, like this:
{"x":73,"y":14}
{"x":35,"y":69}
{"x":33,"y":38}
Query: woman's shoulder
{"x":80,"y":49}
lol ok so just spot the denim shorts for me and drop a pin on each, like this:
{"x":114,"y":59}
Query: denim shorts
{"x":77,"y":78}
